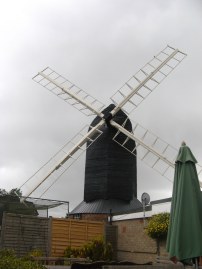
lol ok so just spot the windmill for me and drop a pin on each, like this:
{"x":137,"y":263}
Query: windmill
{"x":137,"y":140}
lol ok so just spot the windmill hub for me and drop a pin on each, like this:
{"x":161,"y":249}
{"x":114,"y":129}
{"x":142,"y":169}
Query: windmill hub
{"x":107,"y":115}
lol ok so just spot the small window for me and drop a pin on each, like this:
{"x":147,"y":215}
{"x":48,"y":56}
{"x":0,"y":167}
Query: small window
{"x":77,"y":216}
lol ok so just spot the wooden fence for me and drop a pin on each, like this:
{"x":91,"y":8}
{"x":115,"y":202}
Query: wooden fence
{"x":74,"y":233}
{"x":51,"y":235}
{"x":25,"y":233}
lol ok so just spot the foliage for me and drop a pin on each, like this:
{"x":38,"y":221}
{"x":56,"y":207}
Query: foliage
{"x":10,"y":202}
{"x":8,"y":260}
{"x":157,"y":227}
{"x":3,"y":192}
{"x":12,"y":192}
{"x":15,"y":191}
{"x":35,"y":253}
{"x":7,"y":252}
{"x":95,"y":250}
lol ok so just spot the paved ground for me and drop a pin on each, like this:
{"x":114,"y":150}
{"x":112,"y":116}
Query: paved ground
{"x":58,"y":267}
{"x":156,"y":266}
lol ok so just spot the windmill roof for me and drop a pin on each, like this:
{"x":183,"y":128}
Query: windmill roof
{"x":102,"y":206}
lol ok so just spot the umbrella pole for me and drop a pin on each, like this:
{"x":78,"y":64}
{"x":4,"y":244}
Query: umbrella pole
{"x":196,"y":263}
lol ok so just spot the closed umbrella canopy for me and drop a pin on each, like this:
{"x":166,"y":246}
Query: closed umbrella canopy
{"x":184,"y":240}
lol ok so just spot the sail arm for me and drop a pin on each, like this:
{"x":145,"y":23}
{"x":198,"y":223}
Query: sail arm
{"x":69,"y":92}
{"x":150,"y":153}
{"x":62,"y":160}
{"x":143,"y":83}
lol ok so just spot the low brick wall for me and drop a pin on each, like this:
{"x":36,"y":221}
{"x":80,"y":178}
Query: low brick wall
{"x":134,"y":244}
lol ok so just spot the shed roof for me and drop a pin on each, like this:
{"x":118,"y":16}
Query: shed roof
{"x":102,"y":206}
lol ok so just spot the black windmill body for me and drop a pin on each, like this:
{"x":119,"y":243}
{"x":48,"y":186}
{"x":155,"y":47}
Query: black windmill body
{"x":110,"y":171}
{"x":110,"y":174}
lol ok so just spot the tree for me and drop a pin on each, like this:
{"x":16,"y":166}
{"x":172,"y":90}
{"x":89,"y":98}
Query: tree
{"x":12,"y":192}
{"x":157,"y":228}
{"x":3,"y":192}
{"x":10,"y":202}
{"x":15,"y":191}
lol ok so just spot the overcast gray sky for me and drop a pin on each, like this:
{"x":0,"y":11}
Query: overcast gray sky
{"x":98,"y":45}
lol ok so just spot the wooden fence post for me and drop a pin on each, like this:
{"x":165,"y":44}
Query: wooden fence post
{"x":49,"y":237}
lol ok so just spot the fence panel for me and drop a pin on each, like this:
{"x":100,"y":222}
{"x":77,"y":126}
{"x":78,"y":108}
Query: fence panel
{"x":74,"y":233}
{"x":25,"y":233}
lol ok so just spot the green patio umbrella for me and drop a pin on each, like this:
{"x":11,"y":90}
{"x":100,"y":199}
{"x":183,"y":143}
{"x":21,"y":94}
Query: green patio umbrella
{"x":184,"y":240}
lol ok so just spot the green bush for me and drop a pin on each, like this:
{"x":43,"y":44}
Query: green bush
{"x":35,"y":253}
{"x":8,"y":260}
{"x":7,"y":252}
{"x":95,"y":250}
{"x":71,"y":252}
{"x":157,"y":227}
{"x":17,"y":263}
